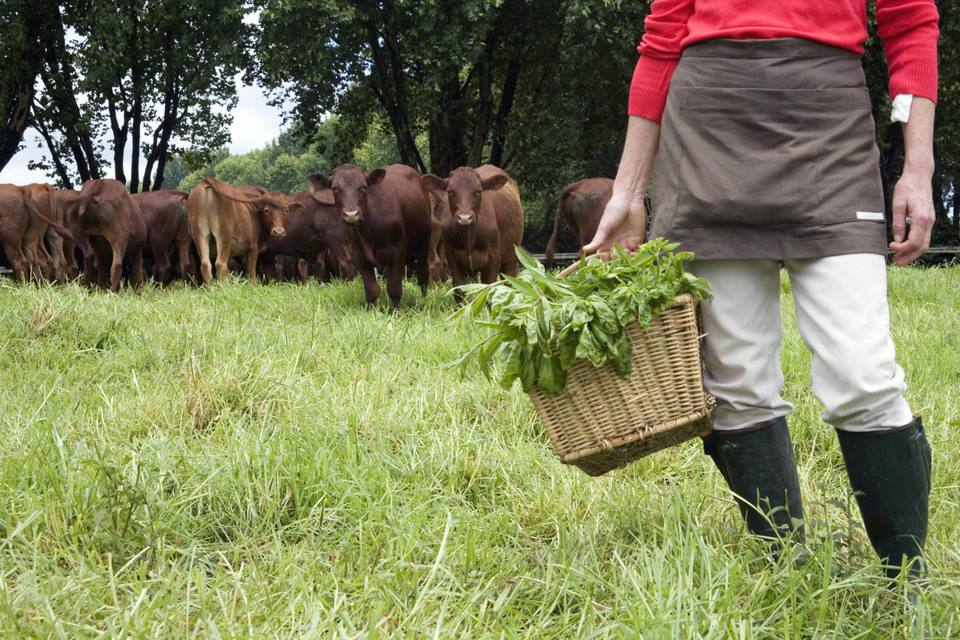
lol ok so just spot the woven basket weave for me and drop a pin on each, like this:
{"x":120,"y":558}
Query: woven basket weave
{"x":602,"y":421}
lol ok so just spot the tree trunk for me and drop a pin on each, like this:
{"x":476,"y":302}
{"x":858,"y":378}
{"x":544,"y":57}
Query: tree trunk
{"x":18,"y":95}
{"x":448,"y":127}
{"x":64,"y":112}
{"x":136,"y":73}
{"x":503,"y":112}
{"x":119,"y":137}
{"x":391,"y":89}
{"x":61,"y":169}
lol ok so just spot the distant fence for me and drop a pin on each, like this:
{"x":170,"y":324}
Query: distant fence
{"x":933,"y":254}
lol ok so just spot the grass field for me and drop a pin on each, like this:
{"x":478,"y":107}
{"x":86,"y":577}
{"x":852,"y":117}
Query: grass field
{"x":249,"y":462}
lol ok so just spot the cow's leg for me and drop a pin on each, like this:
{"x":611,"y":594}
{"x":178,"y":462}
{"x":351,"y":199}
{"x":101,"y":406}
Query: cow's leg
{"x":161,"y":261}
{"x":200,"y":232}
{"x":90,"y":267}
{"x":302,"y":272}
{"x":423,"y":274}
{"x":206,"y":270}
{"x":70,"y":259}
{"x":459,"y":277}
{"x":118,"y":248}
{"x":395,"y":274}
{"x":252,"y":256}
{"x":371,"y":288}
{"x":137,"y":276}
{"x":18,"y":261}
{"x":184,"y":259}
{"x":222,"y":238}
{"x":491,"y":271}
{"x":55,"y":243}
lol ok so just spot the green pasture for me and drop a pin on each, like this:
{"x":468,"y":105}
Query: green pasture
{"x":280,"y":462}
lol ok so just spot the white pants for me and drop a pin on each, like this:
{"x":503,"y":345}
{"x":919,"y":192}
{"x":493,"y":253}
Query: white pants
{"x":843,"y":317}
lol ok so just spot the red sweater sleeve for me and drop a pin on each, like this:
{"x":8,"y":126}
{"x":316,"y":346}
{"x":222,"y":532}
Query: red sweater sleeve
{"x":909,"y":31}
{"x":664,"y":30}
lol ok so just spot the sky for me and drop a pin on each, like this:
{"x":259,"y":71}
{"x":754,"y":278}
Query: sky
{"x":255,"y":123}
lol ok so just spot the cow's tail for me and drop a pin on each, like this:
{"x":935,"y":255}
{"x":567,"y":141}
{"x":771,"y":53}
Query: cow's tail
{"x":551,"y":249}
{"x":213,"y":184}
{"x":34,"y":210}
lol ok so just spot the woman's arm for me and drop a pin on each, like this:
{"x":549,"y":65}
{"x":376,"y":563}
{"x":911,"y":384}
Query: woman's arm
{"x":624,"y":220}
{"x":913,"y":195}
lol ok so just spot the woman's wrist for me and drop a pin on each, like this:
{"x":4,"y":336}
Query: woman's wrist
{"x":636,"y":162}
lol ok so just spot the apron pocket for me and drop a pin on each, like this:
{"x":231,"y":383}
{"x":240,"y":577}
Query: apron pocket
{"x":753,"y":157}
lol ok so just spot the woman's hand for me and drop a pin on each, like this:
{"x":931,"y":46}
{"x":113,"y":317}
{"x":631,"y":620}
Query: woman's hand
{"x":913,"y":195}
{"x":624,"y":220}
{"x":913,"y":198}
{"x":624,"y":223}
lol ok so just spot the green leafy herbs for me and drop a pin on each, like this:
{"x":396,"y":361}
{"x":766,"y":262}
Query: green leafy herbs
{"x":538,"y":324}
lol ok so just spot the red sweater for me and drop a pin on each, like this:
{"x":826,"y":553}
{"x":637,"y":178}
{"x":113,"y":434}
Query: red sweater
{"x":908,"y":29}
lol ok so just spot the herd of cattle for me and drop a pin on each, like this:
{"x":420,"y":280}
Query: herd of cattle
{"x":390,"y":221}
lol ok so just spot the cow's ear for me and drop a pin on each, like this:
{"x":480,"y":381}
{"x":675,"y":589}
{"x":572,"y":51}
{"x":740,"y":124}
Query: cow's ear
{"x":494,"y":183}
{"x":320,"y":182}
{"x":376,"y":177}
{"x":324,"y":197}
{"x":295,"y":206}
{"x":433,"y":183}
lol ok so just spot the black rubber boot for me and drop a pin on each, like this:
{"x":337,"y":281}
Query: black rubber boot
{"x":759,"y":467}
{"x":889,"y":471}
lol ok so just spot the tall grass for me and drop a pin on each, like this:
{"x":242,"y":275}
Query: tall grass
{"x":281,"y":462}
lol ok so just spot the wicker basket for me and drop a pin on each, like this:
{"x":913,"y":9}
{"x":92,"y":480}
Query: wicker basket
{"x":602,"y":422}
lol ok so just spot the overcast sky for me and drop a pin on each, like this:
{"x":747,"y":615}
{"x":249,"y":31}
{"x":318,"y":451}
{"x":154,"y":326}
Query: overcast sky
{"x":255,"y":123}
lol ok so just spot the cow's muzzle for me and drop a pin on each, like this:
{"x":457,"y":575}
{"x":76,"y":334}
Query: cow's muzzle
{"x":466,"y":219}
{"x":278,"y":232}
{"x":351,"y":217}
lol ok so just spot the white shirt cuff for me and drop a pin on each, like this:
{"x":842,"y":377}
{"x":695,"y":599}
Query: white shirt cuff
{"x":900,"y":111}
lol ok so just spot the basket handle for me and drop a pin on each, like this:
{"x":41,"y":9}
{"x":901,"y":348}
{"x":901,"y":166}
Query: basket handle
{"x":571,"y":268}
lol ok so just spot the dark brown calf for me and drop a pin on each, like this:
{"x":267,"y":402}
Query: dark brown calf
{"x":165,"y":216}
{"x":482,"y":223}
{"x":239,"y":221}
{"x":14,"y":221}
{"x":389,"y":224}
{"x":315,"y":233}
{"x":582,"y":205}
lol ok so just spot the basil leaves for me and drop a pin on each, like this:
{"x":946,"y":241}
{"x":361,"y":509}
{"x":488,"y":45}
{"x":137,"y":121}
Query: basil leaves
{"x":538,"y":324}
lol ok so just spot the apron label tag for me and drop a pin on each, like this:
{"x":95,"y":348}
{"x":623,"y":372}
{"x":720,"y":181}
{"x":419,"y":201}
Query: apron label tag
{"x":870,"y":215}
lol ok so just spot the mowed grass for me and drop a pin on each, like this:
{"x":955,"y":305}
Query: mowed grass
{"x":249,"y":462}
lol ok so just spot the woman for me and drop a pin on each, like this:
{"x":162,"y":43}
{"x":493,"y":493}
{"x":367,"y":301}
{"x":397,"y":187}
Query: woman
{"x":759,"y":119}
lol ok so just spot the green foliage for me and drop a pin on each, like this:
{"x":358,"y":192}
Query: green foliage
{"x":274,"y":168}
{"x":539,"y":323}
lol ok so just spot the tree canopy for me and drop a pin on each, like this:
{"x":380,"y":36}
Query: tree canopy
{"x":537,"y":87}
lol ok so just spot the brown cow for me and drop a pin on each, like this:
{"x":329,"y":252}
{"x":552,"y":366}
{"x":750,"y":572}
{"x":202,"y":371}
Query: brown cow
{"x":109,"y":229}
{"x":389,"y":224}
{"x":165,"y":216}
{"x":238,"y":220}
{"x":582,"y":205}
{"x":314,"y":233}
{"x":482,"y":223}
{"x":14,"y":221}
{"x":26,"y":213}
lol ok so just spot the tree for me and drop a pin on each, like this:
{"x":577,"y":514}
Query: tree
{"x":158,"y":75}
{"x":20,"y":49}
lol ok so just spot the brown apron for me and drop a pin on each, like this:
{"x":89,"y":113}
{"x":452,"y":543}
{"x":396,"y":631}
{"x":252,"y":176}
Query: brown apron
{"x":767,"y":150}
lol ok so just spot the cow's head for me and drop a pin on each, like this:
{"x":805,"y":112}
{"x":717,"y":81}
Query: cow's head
{"x":273,"y":208}
{"x":464,"y":189}
{"x":349,"y":184}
